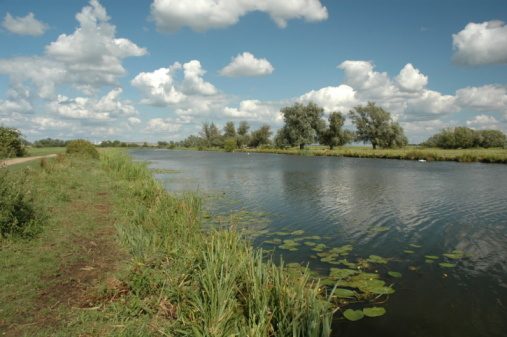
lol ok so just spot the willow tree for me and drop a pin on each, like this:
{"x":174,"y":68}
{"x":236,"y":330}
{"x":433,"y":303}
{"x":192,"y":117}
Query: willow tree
{"x":376,"y":126}
{"x":334,"y":134}
{"x":303,"y":123}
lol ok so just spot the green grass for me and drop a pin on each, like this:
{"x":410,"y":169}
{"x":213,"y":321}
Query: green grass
{"x":494,"y":155}
{"x":178,"y":279}
{"x":42,"y":151}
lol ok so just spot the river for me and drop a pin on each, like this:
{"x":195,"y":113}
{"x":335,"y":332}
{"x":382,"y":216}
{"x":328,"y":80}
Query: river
{"x":400,"y":210}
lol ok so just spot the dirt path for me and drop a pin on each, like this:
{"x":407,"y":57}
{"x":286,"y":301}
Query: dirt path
{"x":14,"y":161}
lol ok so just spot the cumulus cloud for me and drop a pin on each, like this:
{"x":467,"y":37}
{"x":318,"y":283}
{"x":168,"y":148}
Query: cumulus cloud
{"x":187,"y":96}
{"x":485,"y":98}
{"x":87,"y":59}
{"x":341,"y":98}
{"x":158,"y":125}
{"x":108,"y":107}
{"x":24,"y":25}
{"x":201,"y":15}
{"x":481,"y":43}
{"x":246,"y":64}
{"x":411,"y":79}
{"x":483,"y":122}
{"x":255,"y":110}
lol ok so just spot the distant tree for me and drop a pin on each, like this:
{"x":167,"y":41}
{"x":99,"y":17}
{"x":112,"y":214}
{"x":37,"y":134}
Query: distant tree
{"x":229,"y":130}
{"x":243,"y":138}
{"x":303,"y":123}
{"x":463,"y":138}
{"x":50,"y":142}
{"x":492,"y":138}
{"x":334,"y":135}
{"x":375,"y":125}
{"x":282,"y":138}
{"x":162,"y":144}
{"x":230,"y":144}
{"x":211,"y":134}
{"x":261,"y":136}
{"x":11,"y":143}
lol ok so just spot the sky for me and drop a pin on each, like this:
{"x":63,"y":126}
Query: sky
{"x":156,"y":70}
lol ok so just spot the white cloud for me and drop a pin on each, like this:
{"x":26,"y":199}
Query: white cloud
{"x":411,"y":79}
{"x":108,"y":107}
{"x":191,"y":95}
{"x":483,"y":122}
{"x":158,"y":125}
{"x":481,"y":43}
{"x":24,"y":25}
{"x":201,"y":15}
{"x":255,"y":110}
{"x":485,"y":98}
{"x":87,"y":59}
{"x":246,"y":64}
{"x":341,"y":98}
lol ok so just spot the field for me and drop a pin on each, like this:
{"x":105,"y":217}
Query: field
{"x":495,"y":155}
{"x":42,"y":151}
{"x":119,"y":256}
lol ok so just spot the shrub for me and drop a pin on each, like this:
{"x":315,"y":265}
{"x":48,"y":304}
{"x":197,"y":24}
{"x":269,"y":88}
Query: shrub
{"x":83,"y":148}
{"x":230,"y":144}
{"x":18,"y":216}
{"x":464,"y":138}
{"x":11,"y":143}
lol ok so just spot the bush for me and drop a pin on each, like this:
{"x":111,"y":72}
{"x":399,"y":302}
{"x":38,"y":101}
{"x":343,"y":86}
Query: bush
{"x":230,"y":144}
{"x":18,"y":216}
{"x":464,"y":138}
{"x":83,"y":148}
{"x":11,"y":143}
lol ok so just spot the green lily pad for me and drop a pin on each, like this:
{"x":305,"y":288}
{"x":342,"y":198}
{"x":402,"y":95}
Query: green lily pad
{"x":381,"y":290}
{"x":309,"y":243}
{"x":327,"y":282}
{"x":345,"y":262}
{"x":293,"y":265}
{"x":408,"y":251}
{"x":415,"y":245}
{"x":344,"y":293}
{"x":281,"y":233}
{"x":298,"y":232}
{"x":342,"y":273}
{"x":379,"y":229}
{"x":431,"y":257}
{"x":429,"y":261}
{"x":319,"y":247}
{"x":343,"y":250}
{"x":394,"y":274}
{"x":455,"y":255}
{"x":353,"y":315}
{"x":274,"y":241}
{"x":376,"y":259}
{"x":446,"y":265}
{"x":374,"y":311}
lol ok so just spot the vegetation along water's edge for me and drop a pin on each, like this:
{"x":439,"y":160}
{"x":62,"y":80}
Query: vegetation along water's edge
{"x":114,"y":254}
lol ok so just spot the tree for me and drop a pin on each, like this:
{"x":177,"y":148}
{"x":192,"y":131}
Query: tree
{"x":334,"y":135}
{"x":243,"y":138}
{"x":211,"y":134}
{"x":261,"y":136}
{"x":229,"y":130}
{"x":11,"y":143}
{"x":50,"y":142}
{"x":375,"y":125}
{"x":463,"y":138}
{"x":303,"y":123}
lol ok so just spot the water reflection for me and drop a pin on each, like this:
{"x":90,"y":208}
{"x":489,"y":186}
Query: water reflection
{"x":381,"y":206}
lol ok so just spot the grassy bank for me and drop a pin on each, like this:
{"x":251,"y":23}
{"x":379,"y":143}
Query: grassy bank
{"x":164,"y":276}
{"x":496,"y":155}
{"x":42,"y":151}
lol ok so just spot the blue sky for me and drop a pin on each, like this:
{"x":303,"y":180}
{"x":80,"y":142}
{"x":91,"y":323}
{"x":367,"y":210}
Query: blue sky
{"x":156,"y":70}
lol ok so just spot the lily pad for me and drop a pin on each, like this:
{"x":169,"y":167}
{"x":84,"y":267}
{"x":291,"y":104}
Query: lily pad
{"x":298,"y":232}
{"x":343,"y":250}
{"x":379,"y":229}
{"x":408,"y":251}
{"x":274,"y":241}
{"x":431,"y":257}
{"x":429,"y":261}
{"x":382,"y":290}
{"x":342,"y":273}
{"x":353,"y":315}
{"x":374,"y":311}
{"x":415,"y":245}
{"x":309,"y":243}
{"x":394,"y":274}
{"x":319,"y":247}
{"x":446,"y":265}
{"x":376,"y":259}
{"x":344,"y":293}
{"x":345,"y":262}
{"x":455,"y":255}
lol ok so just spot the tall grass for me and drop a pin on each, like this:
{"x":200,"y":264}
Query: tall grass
{"x":188,"y":282}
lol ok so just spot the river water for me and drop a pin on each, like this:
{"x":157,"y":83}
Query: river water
{"x":400,"y":210}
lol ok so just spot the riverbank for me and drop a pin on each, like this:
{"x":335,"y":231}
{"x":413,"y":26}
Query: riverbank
{"x":119,"y":256}
{"x":496,"y":155}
